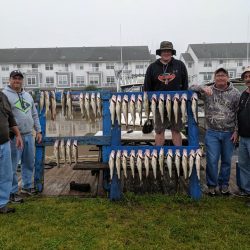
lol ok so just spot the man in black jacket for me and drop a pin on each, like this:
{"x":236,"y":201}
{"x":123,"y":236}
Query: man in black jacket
{"x":244,"y":133}
{"x":166,"y":74}
{"x":6,"y":121}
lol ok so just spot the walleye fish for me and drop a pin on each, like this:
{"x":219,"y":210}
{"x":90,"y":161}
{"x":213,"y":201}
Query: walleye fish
{"x":139,"y":108}
{"x":132,"y":162}
{"x":56,"y":152}
{"x":53,"y":105}
{"x":69,"y":106}
{"x":146,"y":105}
{"x":139,"y":164}
{"x":93,"y":105}
{"x":154,"y":162}
{"x":124,"y":162}
{"x":41,"y":103}
{"x":153,"y":106}
{"x":63,"y":151}
{"x":184,"y":108}
{"x":176,"y":107}
{"x":118,"y":109}
{"x":191,"y":162}
{"x":161,"y":161}
{"x":177,"y":161}
{"x":111,"y":163}
{"x":63,"y":103}
{"x":75,"y":151}
{"x":184,"y":162}
{"x":161,"y":107}
{"x":132,"y":109}
{"x":68,"y":151}
{"x":147,"y":161}
{"x":125,"y":109}
{"x":47,"y":104}
{"x":82,"y":104}
{"x":169,"y":162}
{"x":87,"y":106}
{"x":99,"y":105}
{"x":198,"y":163}
{"x":112,"y":109}
{"x":194,"y":101}
{"x":168,"y":106}
{"x":118,"y":164}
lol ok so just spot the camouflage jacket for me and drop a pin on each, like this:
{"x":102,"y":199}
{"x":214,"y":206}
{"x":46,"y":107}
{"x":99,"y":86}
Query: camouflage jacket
{"x":221,"y":107}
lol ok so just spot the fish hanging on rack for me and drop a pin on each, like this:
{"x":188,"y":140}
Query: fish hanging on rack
{"x":125,"y":109}
{"x":111,"y":163}
{"x":194,"y":105}
{"x":184,"y":163}
{"x":146,"y":105}
{"x":112,"y":108}
{"x":118,"y":109}
{"x":75,"y":151}
{"x":56,"y":153}
{"x":147,"y":158}
{"x":69,"y":106}
{"x":176,"y":107}
{"x":198,"y":162}
{"x":132,"y":109}
{"x":139,"y":164}
{"x":184,"y":108}
{"x":132,"y":163}
{"x":153,"y":106}
{"x":154,"y":160}
{"x":118,"y":164}
{"x":177,"y":161}
{"x":124,"y":162}
{"x":53,"y":105}
{"x":161,"y":161}
{"x":47,"y":104}
{"x":93,"y":105}
{"x":41,"y":101}
{"x":161,"y":107}
{"x":169,"y":106}
{"x":68,"y":151}
{"x":99,"y":105}
{"x":169,"y":162}
{"x":139,"y":108}
{"x":63,"y":103}
{"x":191,"y":162}
{"x":82,"y":104}
{"x":63,"y":151}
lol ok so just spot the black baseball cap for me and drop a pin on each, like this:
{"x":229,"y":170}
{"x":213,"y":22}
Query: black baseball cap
{"x":221,"y":70}
{"x":16,"y":73}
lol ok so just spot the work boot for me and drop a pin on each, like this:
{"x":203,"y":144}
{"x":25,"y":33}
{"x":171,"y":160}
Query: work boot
{"x":15,"y":198}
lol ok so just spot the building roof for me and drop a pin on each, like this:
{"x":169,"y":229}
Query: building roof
{"x":187,"y":57}
{"x":220,"y":50}
{"x":74,"y":54}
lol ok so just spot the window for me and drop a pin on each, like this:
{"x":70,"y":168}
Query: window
{"x":94,"y":80}
{"x":48,"y":66}
{"x":34,"y":67}
{"x":5,"y":68}
{"x":189,"y":65}
{"x":207,"y":64}
{"x":18,"y":66}
{"x":79,"y":66}
{"x":139,"y":66}
{"x":5,"y":81}
{"x":95,"y":66}
{"x":31,"y":80}
{"x":239,"y":63}
{"x":231,"y":74}
{"x":207,"y":77}
{"x":80,"y":80}
{"x":50,"y":79}
{"x":110,"y":66}
{"x":126,"y":65}
{"x":221,"y":62}
{"x":110,"y":79}
{"x":62,"y":80}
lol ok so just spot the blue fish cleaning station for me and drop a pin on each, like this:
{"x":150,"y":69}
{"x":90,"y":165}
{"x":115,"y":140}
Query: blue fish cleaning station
{"x":111,"y":140}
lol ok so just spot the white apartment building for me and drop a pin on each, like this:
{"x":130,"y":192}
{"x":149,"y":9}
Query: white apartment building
{"x":202,"y":60}
{"x":74,"y":66}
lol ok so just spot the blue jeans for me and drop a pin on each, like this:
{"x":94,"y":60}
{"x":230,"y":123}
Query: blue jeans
{"x":218,"y":144}
{"x":244,"y":164}
{"x":26,"y":155}
{"x":5,"y":174}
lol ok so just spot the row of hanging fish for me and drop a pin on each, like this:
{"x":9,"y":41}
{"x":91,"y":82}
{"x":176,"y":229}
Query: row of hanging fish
{"x":65,"y":152}
{"x":122,"y":105}
{"x":48,"y":101}
{"x":155,"y":161}
{"x":90,"y":105}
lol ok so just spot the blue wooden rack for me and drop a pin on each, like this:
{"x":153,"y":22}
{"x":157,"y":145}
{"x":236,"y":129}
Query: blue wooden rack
{"x":111,"y":139}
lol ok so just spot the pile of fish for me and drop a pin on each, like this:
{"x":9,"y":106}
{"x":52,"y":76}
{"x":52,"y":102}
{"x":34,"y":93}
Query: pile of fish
{"x":156,"y":161}
{"x":65,"y":152}
{"x":90,"y":105}
{"x":122,"y":105}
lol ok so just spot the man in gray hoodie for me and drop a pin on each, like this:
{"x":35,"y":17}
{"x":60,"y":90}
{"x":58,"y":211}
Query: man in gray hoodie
{"x":26,"y":116}
{"x":221,"y":104}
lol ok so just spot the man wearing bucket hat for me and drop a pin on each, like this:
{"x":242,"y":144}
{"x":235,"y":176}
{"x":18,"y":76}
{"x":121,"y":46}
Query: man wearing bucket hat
{"x":244,"y":133}
{"x":166,"y":74}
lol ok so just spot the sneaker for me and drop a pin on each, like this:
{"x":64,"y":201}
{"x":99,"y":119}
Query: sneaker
{"x":7,"y":210}
{"x":241,"y":193}
{"x":225,"y":190}
{"x":15,"y":198}
{"x":211,"y":191}
{"x":28,"y":191}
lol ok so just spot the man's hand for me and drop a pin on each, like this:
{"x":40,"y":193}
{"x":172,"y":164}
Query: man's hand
{"x":39,"y":137}
{"x":235,"y":137}
{"x":19,"y":142}
{"x":207,"y":91}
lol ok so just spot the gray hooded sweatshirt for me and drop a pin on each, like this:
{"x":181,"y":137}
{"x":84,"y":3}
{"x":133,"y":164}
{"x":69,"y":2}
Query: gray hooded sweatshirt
{"x":24,"y":110}
{"x":220,"y":108}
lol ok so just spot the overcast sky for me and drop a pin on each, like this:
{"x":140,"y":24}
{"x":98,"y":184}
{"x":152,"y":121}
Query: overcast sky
{"x":57,"y":23}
